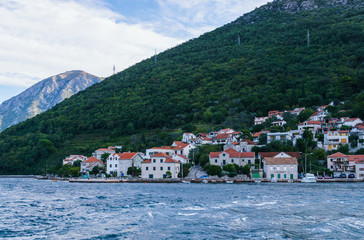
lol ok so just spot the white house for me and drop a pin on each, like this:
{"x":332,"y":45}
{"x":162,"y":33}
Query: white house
{"x":188,"y":137}
{"x":297,"y":111}
{"x":177,"y":147}
{"x":339,"y":162}
{"x":332,"y":139}
{"x":313,"y":126}
{"x":279,"y":136}
{"x":99,"y":152}
{"x":226,"y":131}
{"x":259,"y":120}
{"x":281,"y":168}
{"x":159,"y":165}
{"x":223,"y":138}
{"x":73,"y":158}
{"x":202,"y":140}
{"x":263,"y":155}
{"x":230,"y":156}
{"x":318,"y":116}
{"x":359,"y":166}
{"x":279,"y":123}
{"x":180,"y":158}
{"x":352,"y":122}
{"x":90,"y":163}
{"x":245,"y":145}
{"x":120,"y":162}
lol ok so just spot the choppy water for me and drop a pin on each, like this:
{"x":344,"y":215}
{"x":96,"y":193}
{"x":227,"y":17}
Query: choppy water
{"x":32,"y":209}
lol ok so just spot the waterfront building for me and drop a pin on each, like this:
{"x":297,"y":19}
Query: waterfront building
{"x":263,"y":155}
{"x":259,"y":120}
{"x":313,"y":126}
{"x":281,"y":168}
{"x":178,"y":147}
{"x":231,"y":156}
{"x":90,"y":163}
{"x":244,"y":145}
{"x":119,"y":163}
{"x":159,"y":165}
{"x":359,"y":166}
{"x":339,"y":162}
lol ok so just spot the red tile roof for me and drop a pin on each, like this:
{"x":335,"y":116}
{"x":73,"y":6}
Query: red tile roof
{"x":221,"y":136}
{"x":337,"y":155}
{"x":356,"y":158}
{"x":273,"y":154}
{"x":105,"y":150}
{"x":233,"y":154}
{"x":127,"y":155}
{"x":248,"y":141}
{"x":179,"y":155}
{"x":160,"y":155}
{"x":281,"y":161}
{"x":170,"y":160}
{"x":92,"y":160}
{"x":147,"y":161}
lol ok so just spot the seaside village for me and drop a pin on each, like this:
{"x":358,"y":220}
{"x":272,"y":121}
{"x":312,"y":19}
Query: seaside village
{"x":167,"y":161}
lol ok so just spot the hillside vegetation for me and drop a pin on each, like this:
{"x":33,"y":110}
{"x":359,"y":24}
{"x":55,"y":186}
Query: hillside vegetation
{"x":208,"y":80}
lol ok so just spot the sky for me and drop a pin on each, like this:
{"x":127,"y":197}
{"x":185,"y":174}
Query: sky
{"x":42,"y":38}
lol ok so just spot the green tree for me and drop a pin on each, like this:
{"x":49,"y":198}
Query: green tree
{"x":213,"y":170}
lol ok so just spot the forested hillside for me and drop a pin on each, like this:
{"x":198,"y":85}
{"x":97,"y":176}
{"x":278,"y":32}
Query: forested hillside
{"x":260,"y":62}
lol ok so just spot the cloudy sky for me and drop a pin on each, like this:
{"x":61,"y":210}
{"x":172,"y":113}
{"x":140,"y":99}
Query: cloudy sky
{"x":41,"y":38}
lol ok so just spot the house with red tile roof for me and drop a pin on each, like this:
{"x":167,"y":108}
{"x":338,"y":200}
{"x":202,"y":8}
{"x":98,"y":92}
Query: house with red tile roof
{"x":244,"y":145}
{"x":263,"y":155}
{"x":178,"y":147}
{"x":318,"y":116}
{"x":257,"y":135}
{"x":119,"y":163}
{"x":259,"y":120}
{"x":339,"y":162}
{"x":313,"y":126}
{"x":231,"y":156}
{"x":159,"y":165}
{"x":99,"y":152}
{"x":73,"y":158}
{"x":352,"y":122}
{"x":280,"y":168}
{"x":90,"y":163}
{"x":359,"y":166}
{"x":180,"y":158}
{"x":188,"y":137}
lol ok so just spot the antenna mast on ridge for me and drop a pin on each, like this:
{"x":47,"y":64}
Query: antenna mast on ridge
{"x":155,"y":57}
{"x":113,"y":69}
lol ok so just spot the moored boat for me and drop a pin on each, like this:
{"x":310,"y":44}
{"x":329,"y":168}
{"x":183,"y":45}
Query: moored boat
{"x":309,"y":178}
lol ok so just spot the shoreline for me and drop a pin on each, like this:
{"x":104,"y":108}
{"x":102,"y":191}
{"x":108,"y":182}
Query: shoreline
{"x":178,"y":180}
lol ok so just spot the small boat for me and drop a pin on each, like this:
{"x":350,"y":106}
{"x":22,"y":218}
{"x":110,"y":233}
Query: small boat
{"x":273,"y":180}
{"x":187,"y":182}
{"x":257,"y":181}
{"x":54,"y":180}
{"x":229,"y":181}
{"x":309,"y":178}
{"x":205,"y":181}
{"x":290,"y":180}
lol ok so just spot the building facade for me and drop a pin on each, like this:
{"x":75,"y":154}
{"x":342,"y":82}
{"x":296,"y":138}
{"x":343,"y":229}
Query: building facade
{"x":159,"y":165}
{"x":119,"y":163}
{"x":231,"y":156}
{"x":281,"y":168}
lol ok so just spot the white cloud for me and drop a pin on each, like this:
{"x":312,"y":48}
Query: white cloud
{"x":42,"y":38}
{"x":194,"y":17}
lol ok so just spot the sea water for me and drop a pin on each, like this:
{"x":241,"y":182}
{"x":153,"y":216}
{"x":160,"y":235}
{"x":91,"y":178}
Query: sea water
{"x":39,"y":209}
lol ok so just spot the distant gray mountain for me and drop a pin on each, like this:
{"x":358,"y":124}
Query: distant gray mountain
{"x":43,"y":96}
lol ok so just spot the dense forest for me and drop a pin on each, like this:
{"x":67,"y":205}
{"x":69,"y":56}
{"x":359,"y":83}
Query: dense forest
{"x":260,"y":62}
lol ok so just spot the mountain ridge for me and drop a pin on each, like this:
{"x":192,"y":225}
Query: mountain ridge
{"x":43,"y":95}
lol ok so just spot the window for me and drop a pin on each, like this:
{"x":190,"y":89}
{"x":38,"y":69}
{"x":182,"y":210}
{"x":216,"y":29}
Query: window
{"x":278,"y":168}
{"x":249,"y":162}
{"x":153,"y":168}
{"x":285,"y":176}
{"x":146,"y":168}
{"x":116,"y":165}
{"x":161,"y":168}
{"x":154,"y":160}
{"x":161,"y":160}
{"x":215,"y":160}
{"x":232,"y":160}
{"x":223,"y":162}
{"x":110,"y":165}
{"x":223,"y":154}
{"x":150,"y":175}
{"x":169,"y":168}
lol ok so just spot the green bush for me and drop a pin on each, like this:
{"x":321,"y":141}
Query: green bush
{"x":213,"y":170}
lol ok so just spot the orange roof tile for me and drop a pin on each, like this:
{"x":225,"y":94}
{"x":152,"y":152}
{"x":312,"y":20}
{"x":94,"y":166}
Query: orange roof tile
{"x":160,"y":155}
{"x":356,"y":158}
{"x":281,"y":161}
{"x":127,"y":155}
{"x":337,"y":155}
{"x":92,"y":160}
{"x":273,"y":154}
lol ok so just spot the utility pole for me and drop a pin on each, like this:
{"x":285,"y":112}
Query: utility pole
{"x":308,"y":38}
{"x":113,"y":69}
{"x":155,"y":57}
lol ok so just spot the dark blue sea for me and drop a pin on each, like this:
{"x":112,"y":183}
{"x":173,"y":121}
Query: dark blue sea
{"x":38,"y":209}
